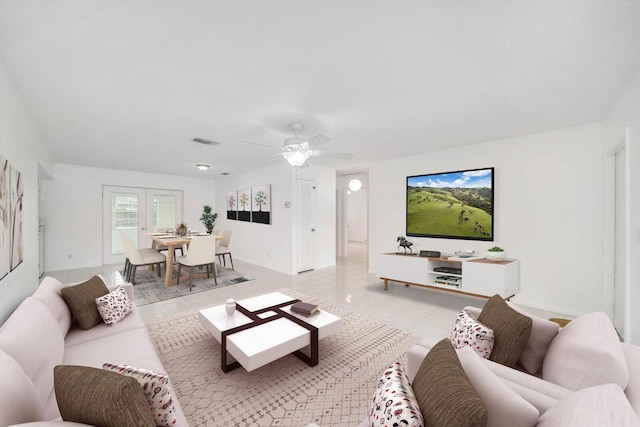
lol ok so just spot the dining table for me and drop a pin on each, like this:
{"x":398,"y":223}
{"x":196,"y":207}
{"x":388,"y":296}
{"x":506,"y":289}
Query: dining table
{"x":172,"y":241}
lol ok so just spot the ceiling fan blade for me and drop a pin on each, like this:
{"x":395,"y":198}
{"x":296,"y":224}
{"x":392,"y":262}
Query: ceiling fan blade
{"x":318,"y":140}
{"x":332,"y":154}
{"x":261,"y":145}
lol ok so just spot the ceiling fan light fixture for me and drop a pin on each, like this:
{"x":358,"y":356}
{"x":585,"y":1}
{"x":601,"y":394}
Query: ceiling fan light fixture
{"x":355,"y":184}
{"x":296,"y":158}
{"x":202,"y":166}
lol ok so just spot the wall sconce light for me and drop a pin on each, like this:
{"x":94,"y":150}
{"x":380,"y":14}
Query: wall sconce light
{"x":202,"y":167}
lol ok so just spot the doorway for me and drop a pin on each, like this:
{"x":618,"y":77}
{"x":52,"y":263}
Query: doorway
{"x":621,"y":290}
{"x":352,"y":216}
{"x":135,"y":211}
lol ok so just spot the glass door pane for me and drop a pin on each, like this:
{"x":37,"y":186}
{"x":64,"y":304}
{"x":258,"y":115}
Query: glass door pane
{"x":124,"y":219}
{"x":165,"y":212}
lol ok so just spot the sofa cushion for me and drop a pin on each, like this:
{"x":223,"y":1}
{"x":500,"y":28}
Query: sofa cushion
{"x":114,"y":306}
{"x":504,"y":406}
{"x":543,"y":332}
{"x":602,"y":405}
{"x":81,"y":300}
{"x":157,"y":390}
{"x":101,"y":398}
{"x":78,"y":336}
{"x":32,"y":337}
{"x":49,"y":293}
{"x":585,"y":353}
{"x":444,"y":393}
{"x":511,"y":330}
{"x":467,"y":331}
{"x":116,"y":348}
{"x":19,"y":399}
{"x":393,"y":402}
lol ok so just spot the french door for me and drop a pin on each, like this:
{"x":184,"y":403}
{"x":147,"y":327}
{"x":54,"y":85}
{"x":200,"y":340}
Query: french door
{"x":135,"y":212}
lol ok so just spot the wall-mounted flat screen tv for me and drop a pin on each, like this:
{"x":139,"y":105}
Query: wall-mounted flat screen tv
{"x":451,"y":205}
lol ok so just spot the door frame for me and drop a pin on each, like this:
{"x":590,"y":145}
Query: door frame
{"x":145,"y":216}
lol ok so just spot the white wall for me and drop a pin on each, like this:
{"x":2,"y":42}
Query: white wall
{"x":20,"y":145}
{"x":549,"y":211}
{"x":625,"y":117}
{"x":272,"y":246}
{"x":71,"y":204}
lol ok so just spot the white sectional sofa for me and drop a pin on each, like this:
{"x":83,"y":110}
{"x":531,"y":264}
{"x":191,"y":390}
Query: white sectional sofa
{"x":586,"y":376}
{"x":41,"y":334}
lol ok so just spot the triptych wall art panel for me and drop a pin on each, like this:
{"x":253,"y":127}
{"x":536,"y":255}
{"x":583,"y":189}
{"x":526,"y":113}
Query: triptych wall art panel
{"x":250,"y":204}
{"x":11,"y":198}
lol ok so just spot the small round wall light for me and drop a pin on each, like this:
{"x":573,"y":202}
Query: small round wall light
{"x":355,"y":184}
{"x":202,"y":167}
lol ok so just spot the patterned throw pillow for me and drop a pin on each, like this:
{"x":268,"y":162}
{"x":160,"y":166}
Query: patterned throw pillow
{"x":114,"y":306}
{"x":156,"y":388}
{"x":467,"y":331}
{"x":394,"y":402}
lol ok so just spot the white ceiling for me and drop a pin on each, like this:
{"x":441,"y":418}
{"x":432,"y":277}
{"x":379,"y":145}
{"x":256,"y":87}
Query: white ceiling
{"x":127,"y":84}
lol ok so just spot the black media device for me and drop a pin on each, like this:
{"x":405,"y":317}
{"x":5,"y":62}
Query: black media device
{"x":430,"y":254}
{"x":449,"y":270}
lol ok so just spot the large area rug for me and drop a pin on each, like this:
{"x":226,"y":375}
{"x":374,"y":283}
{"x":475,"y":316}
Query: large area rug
{"x":287,"y":392}
{"x":149,"y":288}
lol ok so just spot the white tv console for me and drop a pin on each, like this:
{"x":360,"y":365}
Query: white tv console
{"x":479,"y":277}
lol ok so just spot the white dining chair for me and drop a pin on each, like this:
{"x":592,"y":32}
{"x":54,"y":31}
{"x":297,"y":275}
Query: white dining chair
{"x":161,"y":247}
{"x":200,"y":253}
{"x":215,"y":232}
{"x":135,"y":258}
{"x":223,"y":248}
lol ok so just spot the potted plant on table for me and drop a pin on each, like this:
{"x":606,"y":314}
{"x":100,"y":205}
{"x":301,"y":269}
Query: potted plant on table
{"x":208,"y":218}
{"x":181,"y":229}
{"x":495,"y":253}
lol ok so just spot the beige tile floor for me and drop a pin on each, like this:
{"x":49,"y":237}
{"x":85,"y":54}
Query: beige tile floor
{"x":423,"y":312}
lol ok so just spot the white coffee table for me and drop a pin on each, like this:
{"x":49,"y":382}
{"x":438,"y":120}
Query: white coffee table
{"x":264,"y":329}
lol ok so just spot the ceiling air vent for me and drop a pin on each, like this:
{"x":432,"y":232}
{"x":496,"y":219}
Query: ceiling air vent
{"x":205,"y":141}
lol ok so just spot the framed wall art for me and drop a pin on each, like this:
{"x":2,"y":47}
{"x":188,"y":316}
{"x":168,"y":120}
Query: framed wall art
{"x":261,"y":204}
{"x":244,"y":205}
{"x":232,"y":205}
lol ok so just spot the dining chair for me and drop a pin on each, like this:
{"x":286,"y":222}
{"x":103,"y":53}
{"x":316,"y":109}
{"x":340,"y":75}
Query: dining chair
{"x":161,"y":247}
{"x":215,"y":232}
{"x":200,"y":253}
{"x":223,"y":248}
{"x":135,"y":258}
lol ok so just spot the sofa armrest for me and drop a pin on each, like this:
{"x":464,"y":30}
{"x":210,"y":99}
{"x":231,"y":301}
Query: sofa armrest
{"x":474,"y":311}
{"x":632,"y":356}
{"x":50,"y":424}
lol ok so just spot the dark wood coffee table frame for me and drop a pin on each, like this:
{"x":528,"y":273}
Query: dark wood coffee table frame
{"x":311,"y":360}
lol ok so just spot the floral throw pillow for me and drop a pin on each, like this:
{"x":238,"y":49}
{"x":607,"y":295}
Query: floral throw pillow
{"x":467,"y":331}
{"x":114,"y":306}
{"x":394,"y":403}
{"x":156,"y":388}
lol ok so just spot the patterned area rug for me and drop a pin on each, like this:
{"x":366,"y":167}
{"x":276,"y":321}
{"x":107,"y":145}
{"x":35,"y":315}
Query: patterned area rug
{"x":149,"y":288}
{"x":287,"y":392}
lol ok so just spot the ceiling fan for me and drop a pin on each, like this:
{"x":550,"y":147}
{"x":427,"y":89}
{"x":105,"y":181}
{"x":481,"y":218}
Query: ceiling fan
{"x":297,"y":150}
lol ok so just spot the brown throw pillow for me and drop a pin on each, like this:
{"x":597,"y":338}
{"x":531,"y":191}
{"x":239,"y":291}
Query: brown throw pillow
{"x":444,"y":393}
{"x":100,"y":398}
{"x":510,"y":328}
{"x":81,"y":300}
